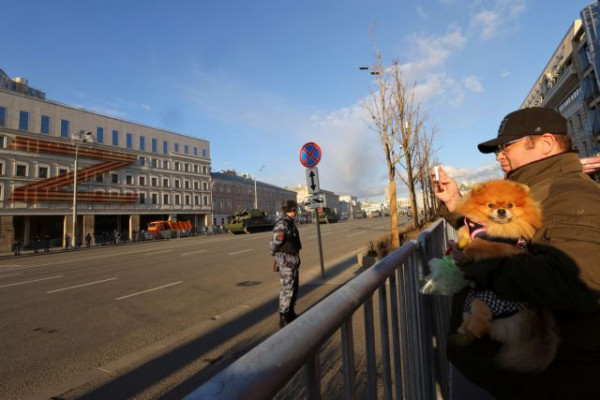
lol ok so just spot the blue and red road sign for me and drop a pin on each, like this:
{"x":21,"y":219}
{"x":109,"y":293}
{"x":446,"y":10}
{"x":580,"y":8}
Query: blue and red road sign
{"x":310,"y":155}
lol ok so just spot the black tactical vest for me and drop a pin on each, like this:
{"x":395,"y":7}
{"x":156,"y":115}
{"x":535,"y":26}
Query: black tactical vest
{"x":292,"y":243}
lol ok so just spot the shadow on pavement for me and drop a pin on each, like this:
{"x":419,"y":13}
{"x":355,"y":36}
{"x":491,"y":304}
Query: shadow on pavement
{"x":142,"y":377}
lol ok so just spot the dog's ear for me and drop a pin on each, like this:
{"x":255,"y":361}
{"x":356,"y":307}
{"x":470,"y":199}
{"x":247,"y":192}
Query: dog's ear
{"x":523,"y":187}
{"x":476,"y":188}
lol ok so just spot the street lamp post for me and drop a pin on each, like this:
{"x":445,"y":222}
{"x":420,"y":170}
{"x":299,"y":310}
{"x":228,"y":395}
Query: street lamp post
{"x":255,"y":189}
{"x":79,"y":137}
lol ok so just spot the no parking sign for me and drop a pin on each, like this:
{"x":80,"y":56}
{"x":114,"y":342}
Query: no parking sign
{"x":310,"y":155}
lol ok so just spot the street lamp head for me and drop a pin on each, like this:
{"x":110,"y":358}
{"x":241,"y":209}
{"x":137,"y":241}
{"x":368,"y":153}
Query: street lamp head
{"x":88,"y":137}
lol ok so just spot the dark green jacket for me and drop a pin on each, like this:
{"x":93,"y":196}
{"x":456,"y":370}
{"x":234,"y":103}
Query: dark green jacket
{"x":561,"y":273}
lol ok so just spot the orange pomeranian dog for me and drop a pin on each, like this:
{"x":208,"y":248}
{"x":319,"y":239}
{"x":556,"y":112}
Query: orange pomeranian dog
{"x":500,"y":218}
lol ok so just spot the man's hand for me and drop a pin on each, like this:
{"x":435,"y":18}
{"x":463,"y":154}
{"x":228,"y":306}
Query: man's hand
{"x":445,"y":188}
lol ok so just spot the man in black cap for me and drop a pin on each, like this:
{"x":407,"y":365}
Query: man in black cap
{"x":560,"y":273}
{"x":285,"y":246}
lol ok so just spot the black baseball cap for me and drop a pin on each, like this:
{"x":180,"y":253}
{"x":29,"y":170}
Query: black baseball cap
{"x":526,"y":122}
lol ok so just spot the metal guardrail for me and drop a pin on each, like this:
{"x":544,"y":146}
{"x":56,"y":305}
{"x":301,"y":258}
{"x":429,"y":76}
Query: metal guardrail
{"x":412,"y":329}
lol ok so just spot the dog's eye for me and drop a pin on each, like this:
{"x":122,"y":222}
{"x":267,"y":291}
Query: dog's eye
{"x":509,"y":205}
{"x":491,"y":205}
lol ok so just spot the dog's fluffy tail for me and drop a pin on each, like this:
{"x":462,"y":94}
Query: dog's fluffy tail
{"x":530,"y":339}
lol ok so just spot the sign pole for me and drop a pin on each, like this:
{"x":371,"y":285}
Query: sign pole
{"x":320,"y":243}
{"x":310,"y":155}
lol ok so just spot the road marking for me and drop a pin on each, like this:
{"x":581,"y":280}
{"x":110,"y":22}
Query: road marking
{"x":36,"y":280}
{"x":193,"y":252}
{"x":82,"y":285}
{"x":158,"y":252}
{"x":6,"y":276}
{"x":354,"y":234}
{"x":149,"y":290}
{"x":238,"y":252}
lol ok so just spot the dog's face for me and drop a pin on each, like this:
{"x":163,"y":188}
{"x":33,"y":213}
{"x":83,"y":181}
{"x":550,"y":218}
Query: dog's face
{"x":506,"y":208}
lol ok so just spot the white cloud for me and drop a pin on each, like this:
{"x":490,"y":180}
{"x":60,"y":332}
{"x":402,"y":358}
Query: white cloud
{"x":501,"y":19}
{"x":421,"y":13}
{"x":472,"y":83}
{"x":505,"y":74}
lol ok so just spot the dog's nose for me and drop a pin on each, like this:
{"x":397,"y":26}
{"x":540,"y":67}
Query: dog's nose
{"x":501,"y":212}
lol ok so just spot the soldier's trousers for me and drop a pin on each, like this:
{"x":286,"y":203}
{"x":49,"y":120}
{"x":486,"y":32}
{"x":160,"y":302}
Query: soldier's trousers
{"x":289,"y":265}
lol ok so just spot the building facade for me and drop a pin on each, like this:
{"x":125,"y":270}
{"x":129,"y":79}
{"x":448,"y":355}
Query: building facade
{"x":232,"y":192}
{"x":127,"y":174}
{"x":570,"y":82}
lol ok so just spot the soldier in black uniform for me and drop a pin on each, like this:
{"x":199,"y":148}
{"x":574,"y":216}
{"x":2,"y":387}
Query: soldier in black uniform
{"x":285,"y":246}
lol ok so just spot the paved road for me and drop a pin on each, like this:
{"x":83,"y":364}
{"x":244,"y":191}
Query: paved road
{"x":152,"y":319}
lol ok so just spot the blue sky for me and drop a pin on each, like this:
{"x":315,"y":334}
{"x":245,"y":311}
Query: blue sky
{"x":258,"y":79}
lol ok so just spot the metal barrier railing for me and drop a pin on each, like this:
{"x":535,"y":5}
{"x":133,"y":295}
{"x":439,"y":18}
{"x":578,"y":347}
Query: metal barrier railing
{"x":412,"y":367}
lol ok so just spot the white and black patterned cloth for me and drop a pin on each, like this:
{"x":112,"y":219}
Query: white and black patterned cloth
{"x":500,"y":308}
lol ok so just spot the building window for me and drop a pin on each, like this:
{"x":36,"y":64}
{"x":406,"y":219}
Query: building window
{"x":142,"y":181}
{"x":142,"y":143}
{"x":114,"y":178}
{"x":115,"y":138}
{"x":141,"y":161}
{"x":129,"y":140}
{"x":177,"y":184}
{"x":165,"y":182}
{"x":197,"y":200}
{"x":45,"y":125}
{"x":177,"y":166}
{"x":187,"y":167}
{"x":205,"y":185}
{"x":187,"y":201}
{"x":100,"y":134}
{"x":154,"y":146}
{"x":154,"y":181}
{"x":2,"y":116}
{"x":99,"y":178}
{"x":154,"y":163}
{"x":3,"y":142}
{"x":203,"y":152}
{"x":21,"y":170}
{"x":64,"y":128}
{"x":129,"y":179}
{"x":1,"y":169}
{"x":195,"y":151}
{"x":165,"y":164}
{"x":62,"y":171}
{"x":154,"y":198}
{"x":205,"y":200}
{"x":142,"y":197}
{"x":23,"y":120}
{"x":177,"y":202}
{"x":176,"y":147}
{"x":204,"y":170}
{"x":42,"y":172}
{"x":165,"y":147}
{"x":187,"y":184}
{"x":196,"y":185}
{"x":166,"y":199}
{"x":196,"y":169}
{"x":186,"y":149}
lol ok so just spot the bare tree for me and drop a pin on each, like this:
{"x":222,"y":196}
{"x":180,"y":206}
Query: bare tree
{"x":426,"y":158}
{"x":381,"y":111}
{"x":408,"y":124}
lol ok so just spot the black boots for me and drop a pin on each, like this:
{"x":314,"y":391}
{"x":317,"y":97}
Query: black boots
{"x":286,"y":318}
{"x":283,"y":319}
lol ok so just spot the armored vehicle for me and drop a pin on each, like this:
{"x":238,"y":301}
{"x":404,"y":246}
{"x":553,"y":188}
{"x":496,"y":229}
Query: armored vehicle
{"x":328,"y":216}
{"x":248,"y":221}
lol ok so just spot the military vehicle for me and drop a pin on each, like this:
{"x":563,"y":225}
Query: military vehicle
{"x":327,"y":216}
{"x":248,"y":221}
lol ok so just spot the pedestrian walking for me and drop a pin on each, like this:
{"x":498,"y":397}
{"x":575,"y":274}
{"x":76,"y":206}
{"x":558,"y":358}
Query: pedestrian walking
{"x":285,"y":246}
{"x":88,"y":240}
